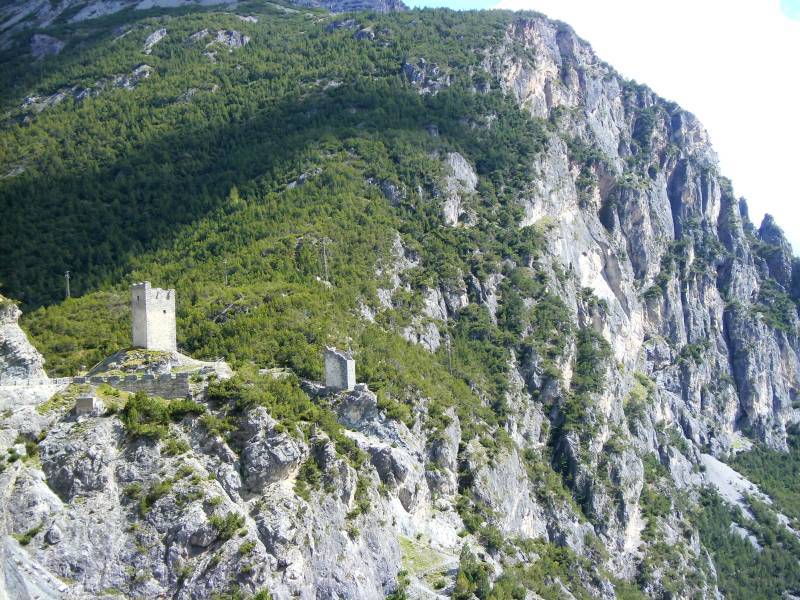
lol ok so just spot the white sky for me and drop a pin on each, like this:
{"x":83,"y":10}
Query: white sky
{"x":733,"y":63}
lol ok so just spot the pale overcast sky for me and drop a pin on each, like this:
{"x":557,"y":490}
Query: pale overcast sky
{"x":733,"y":63}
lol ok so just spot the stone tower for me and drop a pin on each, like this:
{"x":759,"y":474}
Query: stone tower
{"x":340,"y":370}
{"x":153,"y":317}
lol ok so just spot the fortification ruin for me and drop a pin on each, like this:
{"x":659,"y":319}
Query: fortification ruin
{"x":85,"y":404}
{"x":153,"y":317}
{"x":340,"y":370}
{"x":165,"y":385}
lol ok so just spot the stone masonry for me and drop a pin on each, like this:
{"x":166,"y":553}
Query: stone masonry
{"x":153,"y":317}
{"x":85,"y":405}
{"x":165,"y":385}
{"x":340,"y":370}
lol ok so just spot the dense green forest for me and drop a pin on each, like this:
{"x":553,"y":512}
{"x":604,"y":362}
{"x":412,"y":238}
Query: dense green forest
{"x":764,"y":566}
{"x":776,"y":473}
{"x":247,"y":182}
{"x":108,"y":182}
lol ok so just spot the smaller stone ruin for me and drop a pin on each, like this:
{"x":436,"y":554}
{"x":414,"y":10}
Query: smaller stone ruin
{"x":340,"y":370}
{"x":85,"y":404}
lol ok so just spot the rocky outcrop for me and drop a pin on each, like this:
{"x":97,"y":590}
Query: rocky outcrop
{"x":77,"y":463}
{"x":32,"y":105}
{"x":427,"y":77}
{"x":393,"y":192}
{"x":268,"y":455}
{"x":153,"y":39}
{"x":227,"y":37}
{"x":43,"y":45}
{"x":223,"y":38}
{"x":19,"y":360}
{"x":777,"y":253}
{"x":459,"y":183}
{"x":346,"y":6}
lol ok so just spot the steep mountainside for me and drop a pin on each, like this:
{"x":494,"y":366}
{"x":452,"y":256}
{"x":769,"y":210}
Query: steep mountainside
{"x":20,"y":18}
{"x":19,"y":361}
{"x":569,"y":332}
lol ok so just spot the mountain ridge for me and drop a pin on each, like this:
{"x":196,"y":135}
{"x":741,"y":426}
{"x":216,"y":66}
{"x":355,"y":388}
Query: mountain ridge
{"x":561,"y":315}
{"x":38,"y":14}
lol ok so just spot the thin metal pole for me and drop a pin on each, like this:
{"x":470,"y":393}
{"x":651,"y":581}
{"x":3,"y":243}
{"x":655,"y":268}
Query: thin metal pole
{"x":325,"y":256}
{"x":449,"y":353}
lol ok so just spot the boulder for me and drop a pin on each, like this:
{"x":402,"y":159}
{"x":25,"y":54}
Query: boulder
{"x":268,"y":459}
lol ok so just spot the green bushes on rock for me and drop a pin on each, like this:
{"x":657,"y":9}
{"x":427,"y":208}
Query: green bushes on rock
{"x":25,"y":538}
{"x":548,"y":566}
{"x":149,"y":416}
{"x":472,"y":579}
{"x":286,"y":402}
{"x":228,"y":525}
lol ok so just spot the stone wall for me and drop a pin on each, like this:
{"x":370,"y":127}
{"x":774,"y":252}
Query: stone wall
{"x":153,"y":317}
{"x":171,"y":386}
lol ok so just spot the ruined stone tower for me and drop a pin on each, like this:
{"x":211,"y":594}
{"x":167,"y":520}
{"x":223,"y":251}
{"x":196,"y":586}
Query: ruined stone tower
{"x":153,"y":317}
{"x":340,"y":370}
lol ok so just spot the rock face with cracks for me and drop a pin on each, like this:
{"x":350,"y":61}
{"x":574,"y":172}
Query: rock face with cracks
{"x":19,"y":360}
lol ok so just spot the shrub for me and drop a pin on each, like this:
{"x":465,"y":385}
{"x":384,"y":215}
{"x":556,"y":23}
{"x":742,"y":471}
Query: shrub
{"x":174,"y":446}
{"x":361,"y":498}
{"x":237,"y":594}
{"x":150,"y":417}
{"x":308,"y":478}
{"x":134,"y":490}
{"x":472,"y":579}
{"x":352,"y":531}
{"x":218,"y":426}
{"x":25,"y":538}
{"x":159,"y":490}
{"x":228,"y":525}
{"x":492,"y":538}
{"x":247,"y":547}
{"x":640,"y":396}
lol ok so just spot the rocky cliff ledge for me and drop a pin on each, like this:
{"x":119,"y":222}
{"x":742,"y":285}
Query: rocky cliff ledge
{"x":19,"y":360}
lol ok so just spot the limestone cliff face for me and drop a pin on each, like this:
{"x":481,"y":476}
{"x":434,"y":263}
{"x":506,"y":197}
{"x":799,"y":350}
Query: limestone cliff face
{"x":648,"y":249}
{"x":656,"y":232}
